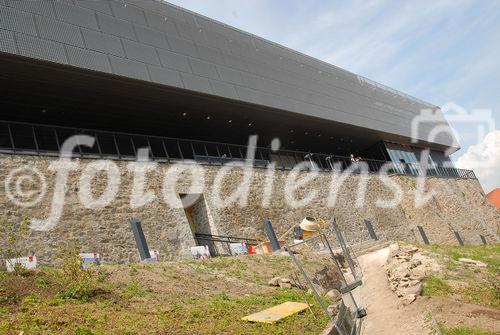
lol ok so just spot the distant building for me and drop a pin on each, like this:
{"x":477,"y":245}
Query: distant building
{"x":494,"y":197}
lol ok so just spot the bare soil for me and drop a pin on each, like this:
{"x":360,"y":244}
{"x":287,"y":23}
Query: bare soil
{"x":387,"y":315}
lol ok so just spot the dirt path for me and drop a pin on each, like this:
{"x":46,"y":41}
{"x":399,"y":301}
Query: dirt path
{"x":386,"y":315}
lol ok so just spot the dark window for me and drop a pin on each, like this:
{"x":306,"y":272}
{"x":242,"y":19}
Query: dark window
{"x":107,"y":144}
{"x":199,"y":149}
{"x":157,"y":149}
{"x":187,"y":150}
{"x":5,"y":137}
{"x":23,"y":137}
{"x":173,"y":149}
{"x":46,"y":138}
{"x":125,"y":145}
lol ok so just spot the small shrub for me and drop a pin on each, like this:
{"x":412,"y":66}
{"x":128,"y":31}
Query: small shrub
{"x":12,"y":235}
{"x":77,"y":282}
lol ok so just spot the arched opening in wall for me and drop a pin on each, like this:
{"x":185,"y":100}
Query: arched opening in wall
{"x":197,"y":216}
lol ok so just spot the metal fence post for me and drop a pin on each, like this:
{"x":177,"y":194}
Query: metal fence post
{"x":371,"y":231}
{"x":459,"y":238}
{"x":422,"y":233}
{"x":271,"y":235}
{"x":140,"y":239}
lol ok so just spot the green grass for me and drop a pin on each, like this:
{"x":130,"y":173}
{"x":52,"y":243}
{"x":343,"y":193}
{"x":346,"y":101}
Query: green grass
{"x":489,"y":254}
{"x":478,"y":285}
{"x":435,"y":286}
{"x":463,"y":331}
{"x":123,"y":302}
{"x":86,"y":331}
{"x":217,"y":314}
{"x":221,"y":314}
{"x":135,"y":290}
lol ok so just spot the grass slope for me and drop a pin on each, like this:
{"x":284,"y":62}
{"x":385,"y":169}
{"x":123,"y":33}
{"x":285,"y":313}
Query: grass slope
{"x":464,"y":282}
{"x":187,"y":297}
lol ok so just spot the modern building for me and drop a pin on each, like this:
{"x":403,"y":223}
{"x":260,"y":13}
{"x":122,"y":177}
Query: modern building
{"x":146,"y":73}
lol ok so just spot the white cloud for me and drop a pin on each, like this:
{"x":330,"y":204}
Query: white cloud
{"x":484,"y":159}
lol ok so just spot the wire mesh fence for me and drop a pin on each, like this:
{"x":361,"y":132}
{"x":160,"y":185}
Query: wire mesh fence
{"x":325,"y":278}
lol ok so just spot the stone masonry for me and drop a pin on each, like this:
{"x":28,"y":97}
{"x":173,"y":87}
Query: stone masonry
{"x":457,"y":204}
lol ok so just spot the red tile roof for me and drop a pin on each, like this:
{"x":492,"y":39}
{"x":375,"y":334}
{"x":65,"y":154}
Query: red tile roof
{"x":494,"y":197}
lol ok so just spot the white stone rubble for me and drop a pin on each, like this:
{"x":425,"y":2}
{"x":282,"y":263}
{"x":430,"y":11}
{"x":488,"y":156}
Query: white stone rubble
{"x":406,"y":268}
{"x":473,"y":262}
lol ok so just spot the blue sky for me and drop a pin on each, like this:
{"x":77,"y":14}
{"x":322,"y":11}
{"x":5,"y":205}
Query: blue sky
{"x":439,"y":51}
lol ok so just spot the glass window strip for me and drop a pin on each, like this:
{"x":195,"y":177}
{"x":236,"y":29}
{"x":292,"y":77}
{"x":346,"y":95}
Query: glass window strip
{"x":409,"y":155}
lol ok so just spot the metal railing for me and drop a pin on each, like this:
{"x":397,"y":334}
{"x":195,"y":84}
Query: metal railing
{"x":39,"y":139}
{"x":214,"y":242}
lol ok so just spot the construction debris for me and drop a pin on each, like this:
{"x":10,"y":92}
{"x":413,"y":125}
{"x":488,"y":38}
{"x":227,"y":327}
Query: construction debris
{"x":334,"y":295}
{"x":266,"y":248}
{"x":276,"y":313}
{"x":406,"y":269}
{"x":281,"y":282}
{"x":309,"y":226}
{"x":28,"y":263}
{"x":333,"y":309}
{"x":473,"y":262}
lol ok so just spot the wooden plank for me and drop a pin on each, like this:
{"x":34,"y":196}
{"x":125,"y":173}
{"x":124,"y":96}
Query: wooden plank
{"x":276,"y":313}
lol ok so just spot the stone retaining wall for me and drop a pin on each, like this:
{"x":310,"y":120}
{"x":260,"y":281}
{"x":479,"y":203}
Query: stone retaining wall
{"x":458,"y":204}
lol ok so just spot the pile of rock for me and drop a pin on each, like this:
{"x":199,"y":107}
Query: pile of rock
{"x":406,"y":268}
{"x":281,"y":282}
{"x":472,"y":262}
{"x":333,"y":297}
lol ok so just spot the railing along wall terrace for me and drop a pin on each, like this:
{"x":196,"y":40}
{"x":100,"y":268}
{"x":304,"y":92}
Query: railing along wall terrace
{"x":46,"y":140}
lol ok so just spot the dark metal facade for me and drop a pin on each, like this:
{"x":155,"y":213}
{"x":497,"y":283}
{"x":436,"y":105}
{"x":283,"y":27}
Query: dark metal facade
{"x":156,"y":42}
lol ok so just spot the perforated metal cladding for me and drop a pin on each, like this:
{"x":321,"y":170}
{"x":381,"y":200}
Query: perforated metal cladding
{"x":43,"y":8}
{"x":194,"y":52}
{"x":88,"y":59}
{"x":59,"y":31}
{"x":115,"y":27}
{"x":15,"y":20}
{"x":129,"y":68}
{"x":38,"y":48}
{"x":165,"y":76}
{"x":104,"y":43}
{"x":7,"y":43}
{"x":76,"y":15}
{"x":140,"y":52}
